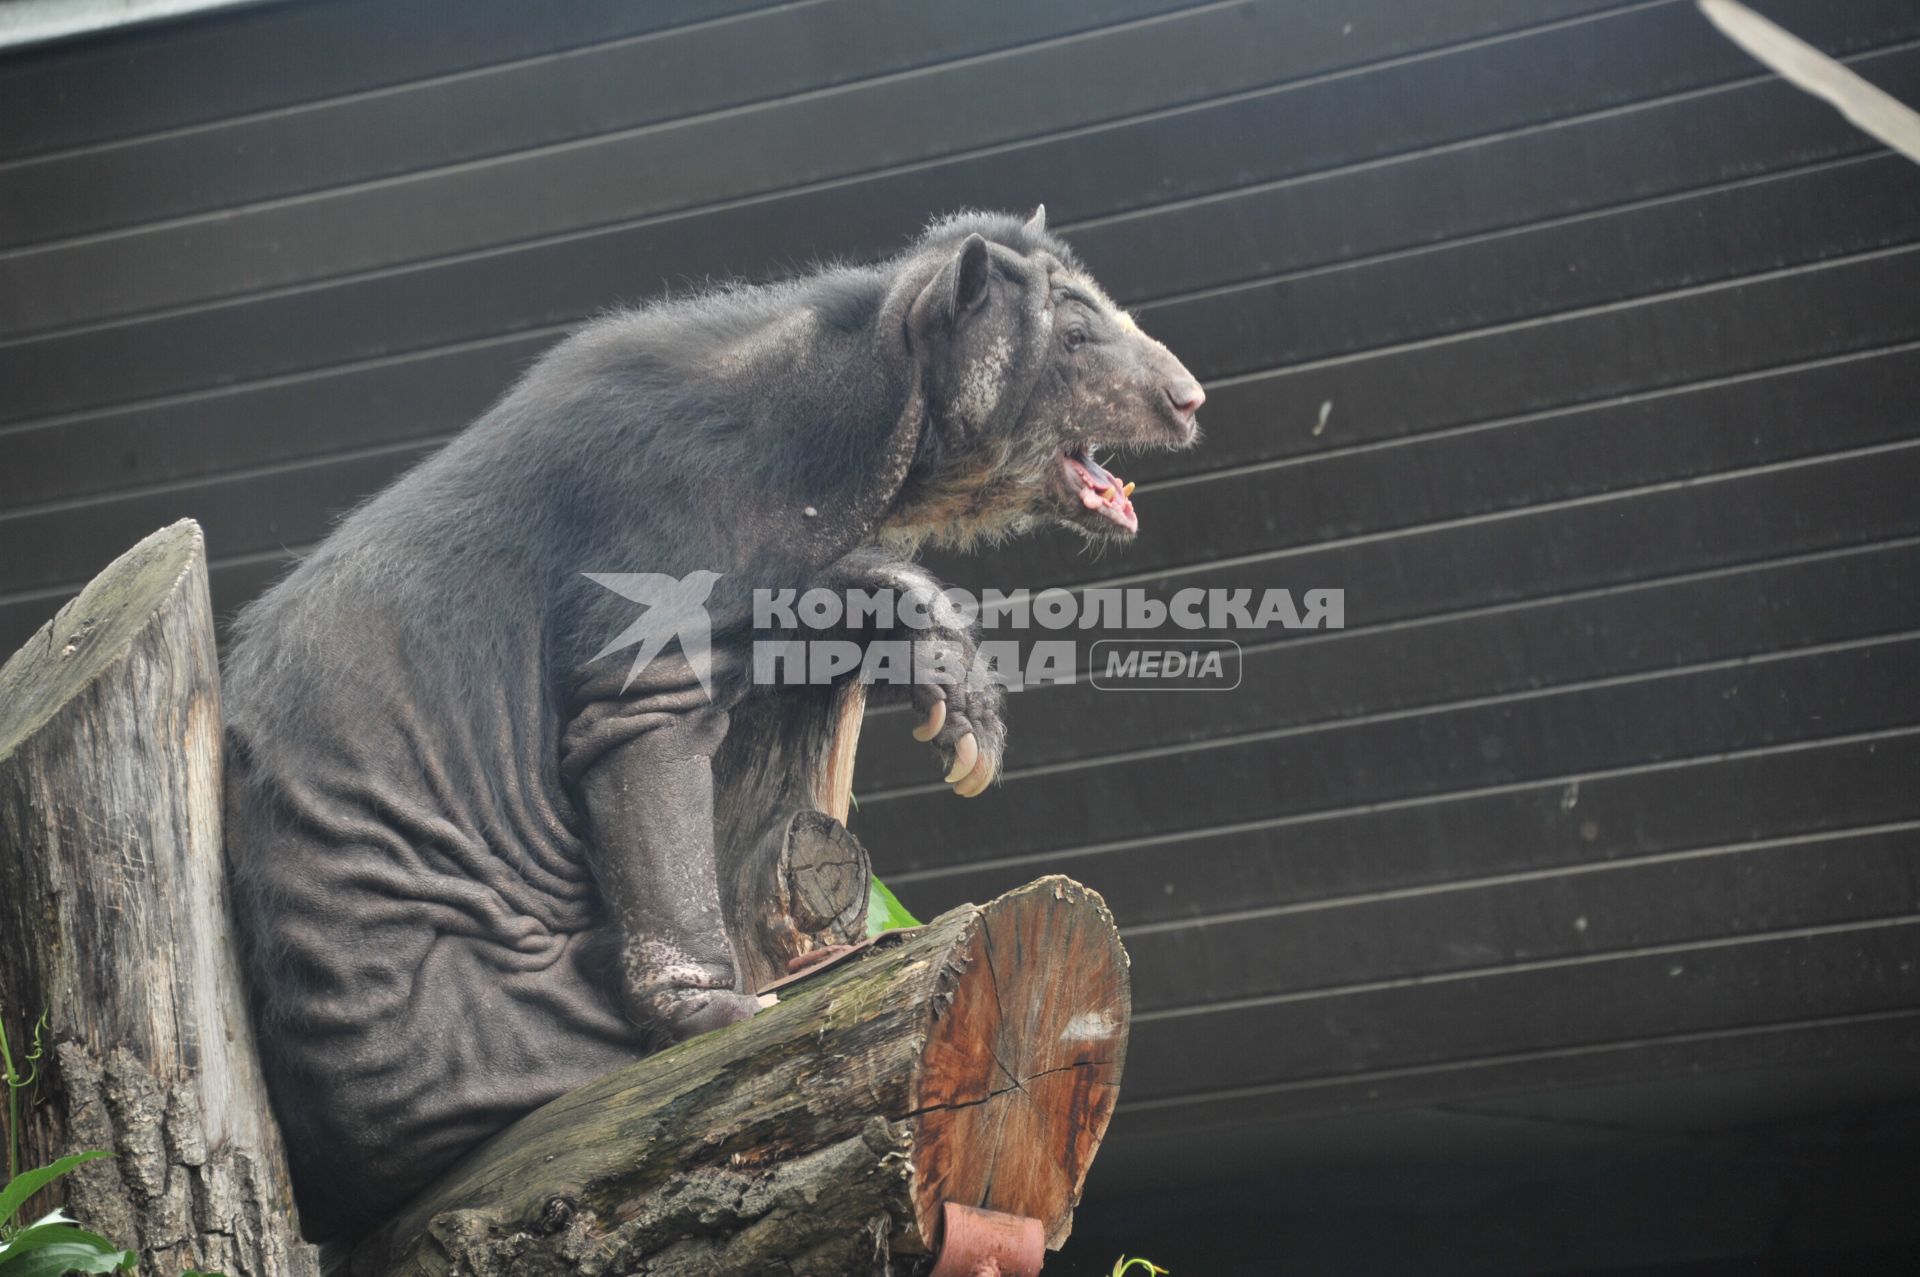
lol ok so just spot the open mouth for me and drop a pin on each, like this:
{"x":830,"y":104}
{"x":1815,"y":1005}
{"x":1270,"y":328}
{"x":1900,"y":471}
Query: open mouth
{"x":1098,"y":489}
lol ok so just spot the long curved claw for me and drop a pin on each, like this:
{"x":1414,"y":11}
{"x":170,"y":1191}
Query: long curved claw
{"x":936,"y":719}
{"x":965,"y":754}
{"x":977,"y":781}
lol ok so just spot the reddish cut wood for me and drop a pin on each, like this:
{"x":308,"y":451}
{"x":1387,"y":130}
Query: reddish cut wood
{"x":1021,"y":1072}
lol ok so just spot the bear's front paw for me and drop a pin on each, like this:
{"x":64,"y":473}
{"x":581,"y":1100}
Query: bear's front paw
{"x":963,"y":719}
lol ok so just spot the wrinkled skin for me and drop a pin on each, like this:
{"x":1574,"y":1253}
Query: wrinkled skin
{"x":475,"y":866}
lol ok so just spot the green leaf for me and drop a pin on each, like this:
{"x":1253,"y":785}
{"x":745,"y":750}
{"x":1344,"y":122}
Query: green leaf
{"x":65,"y":1257}
{"x":47,"y":1231}
{"x":884,"y":910}
{"x":27,"y":1183}
{"x":1123,"y":1266}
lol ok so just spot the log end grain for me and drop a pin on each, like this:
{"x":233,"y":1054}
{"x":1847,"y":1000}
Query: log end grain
{"x":1022,"y":1068}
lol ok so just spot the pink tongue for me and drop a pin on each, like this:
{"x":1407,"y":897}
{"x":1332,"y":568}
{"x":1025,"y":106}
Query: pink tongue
{"x":1106,"y":493}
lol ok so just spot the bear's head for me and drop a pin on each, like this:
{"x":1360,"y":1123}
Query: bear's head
{"x":1030,"y":375}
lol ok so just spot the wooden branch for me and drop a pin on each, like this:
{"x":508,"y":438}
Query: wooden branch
{"x":833,"y":789}
{"x":974,"y":1060}
{"x":113,"y":919}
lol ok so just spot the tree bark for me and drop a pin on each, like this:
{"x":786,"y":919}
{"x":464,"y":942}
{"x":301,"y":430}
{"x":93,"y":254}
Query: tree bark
{"x":975,"y":1060}
{"x":802,"y":886}
{"x":113,"y":919}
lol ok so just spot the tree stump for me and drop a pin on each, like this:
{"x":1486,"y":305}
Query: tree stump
{"x":113,"y":919}
{"x":975,"y":1060}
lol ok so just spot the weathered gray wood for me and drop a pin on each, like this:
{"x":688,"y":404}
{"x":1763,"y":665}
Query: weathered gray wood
{"x":801,"y":889}
{"x":113,"y":920}
{"x":976,"y":1060}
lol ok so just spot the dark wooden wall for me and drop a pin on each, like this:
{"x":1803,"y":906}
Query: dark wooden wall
{"x":1611,"y":781}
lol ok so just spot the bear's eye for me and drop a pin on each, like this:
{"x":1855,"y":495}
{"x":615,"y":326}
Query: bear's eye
{"x":1075,"y":337}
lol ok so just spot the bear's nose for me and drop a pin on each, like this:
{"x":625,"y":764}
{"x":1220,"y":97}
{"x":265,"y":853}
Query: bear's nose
{"x":1186,"y":397}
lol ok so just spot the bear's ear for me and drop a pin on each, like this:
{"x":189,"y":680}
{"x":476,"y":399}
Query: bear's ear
{"x":1038,"y":222}
{"x":971,"y":269}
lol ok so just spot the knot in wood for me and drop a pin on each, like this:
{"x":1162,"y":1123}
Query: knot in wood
{"x":555,"y":1214}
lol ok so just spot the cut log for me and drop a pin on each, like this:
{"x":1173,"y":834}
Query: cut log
{"x":975,"y":1060}
{"x":113,"y":920}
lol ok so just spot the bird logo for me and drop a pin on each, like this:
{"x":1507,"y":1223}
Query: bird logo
{"x":675,"y":607}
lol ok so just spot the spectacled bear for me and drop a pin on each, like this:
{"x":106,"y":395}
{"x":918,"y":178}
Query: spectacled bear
{"x":475,"y":867}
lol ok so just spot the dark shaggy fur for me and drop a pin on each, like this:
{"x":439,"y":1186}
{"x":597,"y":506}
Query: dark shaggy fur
{"x":473,"y":868}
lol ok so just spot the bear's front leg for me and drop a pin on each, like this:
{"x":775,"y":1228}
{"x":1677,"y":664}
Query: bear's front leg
{"x":961,"y":705}
{"x":650,"y":806}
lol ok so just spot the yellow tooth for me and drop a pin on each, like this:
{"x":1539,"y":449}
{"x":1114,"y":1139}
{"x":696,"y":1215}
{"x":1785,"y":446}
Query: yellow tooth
{"x":1106,"y":493}
{"x":1127,"y":491}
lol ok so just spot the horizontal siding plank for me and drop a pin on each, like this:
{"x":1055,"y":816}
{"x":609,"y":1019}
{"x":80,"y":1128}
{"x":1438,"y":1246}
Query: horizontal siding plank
{"x":1559,"y":168}
{"x":1770,"y":224}
{"x":1298,"y":681}
{"x":1088,"y":81}
{"x":688,"y":71}
{"x":1590,"y":911}
{"x":241,"y":517}
{"x":1774,"y":700}
{"x":1755,"y":981}
{"x":151,"y":79}
{"x":1891,"y":1038}
{"x":1194,"y":872}
{"x":421,"y":398}
{"x":1714,"y":331}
